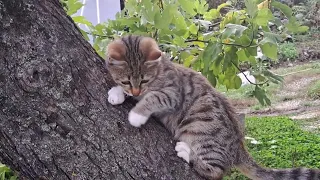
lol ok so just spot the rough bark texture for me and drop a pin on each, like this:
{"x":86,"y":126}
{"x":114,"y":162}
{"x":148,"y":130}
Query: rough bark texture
{"x":55,"y":120}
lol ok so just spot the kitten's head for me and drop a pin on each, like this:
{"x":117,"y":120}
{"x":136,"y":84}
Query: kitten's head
{"x":133,"y":61}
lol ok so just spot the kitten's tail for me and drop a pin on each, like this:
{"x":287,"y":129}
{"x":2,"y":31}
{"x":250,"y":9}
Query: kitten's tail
{"x":254,"y":171}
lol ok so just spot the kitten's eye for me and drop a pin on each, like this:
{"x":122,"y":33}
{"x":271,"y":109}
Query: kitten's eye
{"x":126,"y":82}
{"x":144,"y":81}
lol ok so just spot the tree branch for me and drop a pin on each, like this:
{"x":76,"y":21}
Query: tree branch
{"x":247,"y":77}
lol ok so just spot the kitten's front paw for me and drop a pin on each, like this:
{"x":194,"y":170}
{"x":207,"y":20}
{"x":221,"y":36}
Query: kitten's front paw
{"x":136,"y":119}
{"x":183,"y":151}
{"x":116,"y":95}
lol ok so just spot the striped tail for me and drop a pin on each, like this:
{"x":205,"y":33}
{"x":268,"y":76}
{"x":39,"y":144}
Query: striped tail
{"x":254,"y":171}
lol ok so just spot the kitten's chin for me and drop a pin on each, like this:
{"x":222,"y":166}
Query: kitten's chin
{"x":129,"y":94}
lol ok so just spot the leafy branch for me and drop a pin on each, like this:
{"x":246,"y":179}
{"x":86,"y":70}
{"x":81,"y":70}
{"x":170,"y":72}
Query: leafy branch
{"x":257,"y":84}
{"x":185,"y":30}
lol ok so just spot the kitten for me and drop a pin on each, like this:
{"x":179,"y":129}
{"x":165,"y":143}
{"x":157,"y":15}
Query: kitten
{"x":201,"y":119}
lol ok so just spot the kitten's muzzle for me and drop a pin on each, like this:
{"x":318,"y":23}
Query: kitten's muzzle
{"x":135,"y":91}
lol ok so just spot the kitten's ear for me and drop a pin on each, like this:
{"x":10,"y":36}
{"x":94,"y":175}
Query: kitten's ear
{"x":115,"y":52}
{"x":150,"y":49}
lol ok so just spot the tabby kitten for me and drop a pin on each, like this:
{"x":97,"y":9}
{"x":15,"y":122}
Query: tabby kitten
{"x":201,"y":119}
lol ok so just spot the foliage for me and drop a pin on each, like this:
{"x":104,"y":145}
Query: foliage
{"x":308,"y":12}
{"x":288,"y":51}
{"x":6,"y":173}
{"x":278,"y":142}
{"x":312,"y":36}
{"x":185,"y":31}
{"x":314,"y":90}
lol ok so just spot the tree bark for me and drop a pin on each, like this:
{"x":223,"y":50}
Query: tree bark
{"x":55,"y":120}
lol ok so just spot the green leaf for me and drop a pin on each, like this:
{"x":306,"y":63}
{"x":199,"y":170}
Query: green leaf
{"x":251,"y":7}
{"x":303,"y":29}
{"x":294,"y":26}
{"x":237,"y":29}
{"x":251,"y":50}
{"x":187,"y":6}
{"x":99,"y":29}
{"x":148,"y":12}
{"x":263,"y":17}
{"x":73,"y":6}
{"x":286,"y":10}
{"x":14,"y":177}
{"x":211,"y":15}
{"x":242,"y":55}
{"x":212,"y":79}
{"x":270,"y":38}
{"x":84,"y":34}
{"x":243,"y":40}
{"x":201,"y":6}
{"x":231,"y":80}
{"x":168,"y":13}
{"x":162,"y":20}
{"x":227,"y":32}
{"x":270,"y":50}
{"x":210,"y":54}
{"x":147,"y":5}
{"x":252,"y":60}
{"x":81,"y":20}
{"x":212,"y":51}
{"x":216,"y":65}
{"x":273,"y":77}
{"x":197,"y":65}
{"x":180,"y":24}
{"x":229,"y":56}
{"x":193,"y":29}
{"x":223,"y":5}
{"x":207,"y":55}
{"x":178,"y":40}
{"x":237,"y":82}
{"x":184,"y":54}
{"x":217,"y":49}
{"x":188,"y":61}
{"x":260,"y":94}
{"x":158,"y":20}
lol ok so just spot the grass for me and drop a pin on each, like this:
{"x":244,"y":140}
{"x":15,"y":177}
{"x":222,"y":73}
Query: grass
{"x":244,"y":91}
{"x":287,"y":51}
{"x":314,"y":90}
{"x":311,"y":67}
{"x":283,"y":144}
{"x":6,"y":173}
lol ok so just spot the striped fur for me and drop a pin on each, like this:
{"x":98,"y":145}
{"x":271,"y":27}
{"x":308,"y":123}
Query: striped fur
{"x":190,"y":108}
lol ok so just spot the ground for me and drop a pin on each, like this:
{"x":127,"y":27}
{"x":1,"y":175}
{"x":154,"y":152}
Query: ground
{"x":298,"y":97}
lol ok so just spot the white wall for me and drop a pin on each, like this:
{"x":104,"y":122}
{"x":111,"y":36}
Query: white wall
{"x":98,"y":11}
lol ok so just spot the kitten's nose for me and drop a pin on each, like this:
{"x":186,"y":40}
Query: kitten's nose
{"x":135,"y":91}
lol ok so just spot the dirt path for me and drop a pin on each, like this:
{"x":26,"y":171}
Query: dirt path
{"x":291,"y":100}
{"x":294,"y":98}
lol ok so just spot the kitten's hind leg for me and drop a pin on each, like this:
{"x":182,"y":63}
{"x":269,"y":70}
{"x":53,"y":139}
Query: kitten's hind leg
{"x":116,"y":95}
{"x":206,"y":164}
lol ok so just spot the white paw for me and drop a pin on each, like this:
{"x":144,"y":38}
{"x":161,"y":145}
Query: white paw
{"x":183,"y":150}
{"x":136,"y":119}
{"x":116,"y":95}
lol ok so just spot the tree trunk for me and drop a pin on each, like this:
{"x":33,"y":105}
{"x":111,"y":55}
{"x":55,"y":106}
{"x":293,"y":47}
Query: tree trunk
{"x":213,"y":4}
{"x":55,"y":120}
